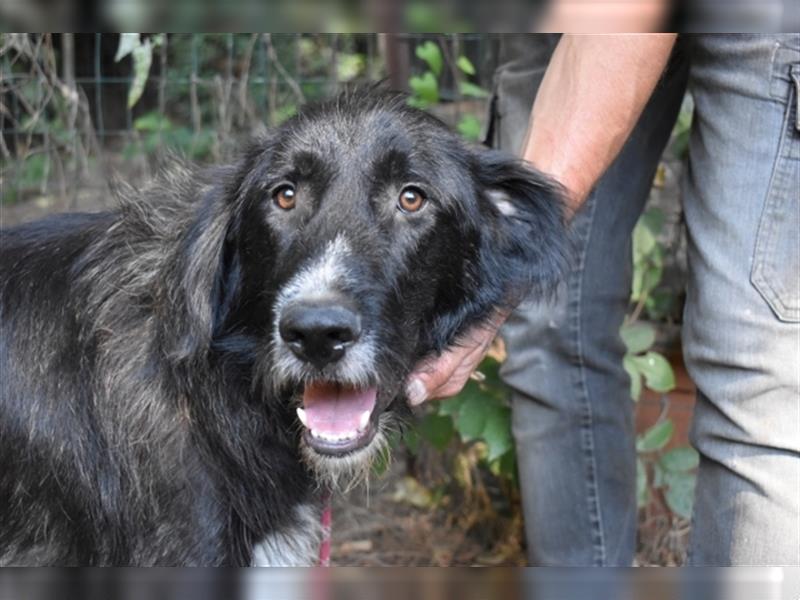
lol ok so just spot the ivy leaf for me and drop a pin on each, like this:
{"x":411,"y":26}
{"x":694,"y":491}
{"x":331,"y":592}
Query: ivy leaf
{"x":642,"y":495}
{"x":425,"y":88}
{"x":142,"y":58}
{"x":497,"y":432}
{"x":644,"y":241}
{"x":633,"y":373}
{"x":472,"y":417}
{"x":680,"y":493}
{"x":436,"y":429}
{"x":637,"y":337}
{"x":465,"y":65}
{"x":469,"y":127}
{"x":430,"y":53}
{"x":471,"y":90}
{"x":656,"y":437}
{"x":451,"y":406}
{"x":680,"y":460}
{"x":653,"y":219}
{"x":127,"y":42}
{"x":657,"y":371}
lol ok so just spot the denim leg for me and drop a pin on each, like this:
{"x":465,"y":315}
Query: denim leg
{"x":572,"y":411}
{"x":741,"y":330}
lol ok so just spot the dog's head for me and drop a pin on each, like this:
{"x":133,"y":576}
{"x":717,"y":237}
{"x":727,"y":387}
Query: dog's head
{"x":367,"y":237}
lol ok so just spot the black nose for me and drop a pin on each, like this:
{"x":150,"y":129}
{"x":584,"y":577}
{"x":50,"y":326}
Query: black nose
{"x":319,"y":331}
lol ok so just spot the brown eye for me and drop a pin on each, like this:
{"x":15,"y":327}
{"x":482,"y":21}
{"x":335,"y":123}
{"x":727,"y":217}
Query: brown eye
{"x":411,"y":200}
{"x":285,"y":197}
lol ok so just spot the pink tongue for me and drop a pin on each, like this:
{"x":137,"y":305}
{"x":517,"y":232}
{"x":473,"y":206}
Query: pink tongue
{"x":336,"y":409}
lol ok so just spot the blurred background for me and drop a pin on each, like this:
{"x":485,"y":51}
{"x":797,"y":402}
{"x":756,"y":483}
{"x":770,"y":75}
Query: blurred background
{"x":80,"y":112}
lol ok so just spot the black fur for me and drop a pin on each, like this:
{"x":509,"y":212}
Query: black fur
{"x":140,"y":422}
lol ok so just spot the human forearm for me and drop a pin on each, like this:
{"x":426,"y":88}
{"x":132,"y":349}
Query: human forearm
{"x":588,"y":103}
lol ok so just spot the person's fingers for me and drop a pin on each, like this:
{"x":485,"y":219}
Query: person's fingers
{"x":430,"y":375}
{"x":447,"y":374}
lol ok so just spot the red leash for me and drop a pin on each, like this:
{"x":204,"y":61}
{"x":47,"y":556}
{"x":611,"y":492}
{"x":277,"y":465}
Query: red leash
{"x":325,"y":543}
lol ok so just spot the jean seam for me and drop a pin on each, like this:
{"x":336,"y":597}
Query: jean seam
{"x":760,"y":274}
{"x":587,"y":434}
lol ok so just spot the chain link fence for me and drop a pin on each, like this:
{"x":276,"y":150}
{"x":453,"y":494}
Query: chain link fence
{"x":68,"y":119}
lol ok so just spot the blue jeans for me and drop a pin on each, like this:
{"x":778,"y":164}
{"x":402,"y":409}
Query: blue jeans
{"x":573,"y":417}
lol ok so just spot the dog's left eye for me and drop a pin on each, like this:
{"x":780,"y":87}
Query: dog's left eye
{"x":411,"y":199}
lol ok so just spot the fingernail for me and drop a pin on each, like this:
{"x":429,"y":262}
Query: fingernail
{"x":416,"y":393}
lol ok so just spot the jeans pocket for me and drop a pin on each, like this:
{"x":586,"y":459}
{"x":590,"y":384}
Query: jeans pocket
{"x":776,"y":268}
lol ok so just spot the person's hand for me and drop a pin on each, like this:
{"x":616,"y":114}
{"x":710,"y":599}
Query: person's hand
{"x":445,"y":375}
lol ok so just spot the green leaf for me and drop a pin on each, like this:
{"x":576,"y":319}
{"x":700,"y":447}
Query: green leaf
{"x":642,"y":495}
{"x":506,"y":465}
{"x":644,"y":241}
{"x":650,"y":277}
{"x":490,"y":368}
{"x":142,"y":57}
{"x":465,"y":65}
{"x":653,"y":219}
{"x":430,"y":53}
{"x":469,"y":127}
{"x":470,"y":89}
{"x":497,"y":432}
{"x":680,"y":493}
{"x":152,"y":121}
{"x":411,"y":440}
{"x":633,"y":373}
{"x":472,"y":417}
{"x":657,"y":371}
{"x":656,"y":437}
{"x":637,"y":337}
{"x":425,"y":88}
{"x":127,"y":42}
{"x":680,"y":460}
{"x":436,"y":429}
{"x":451,"y":406}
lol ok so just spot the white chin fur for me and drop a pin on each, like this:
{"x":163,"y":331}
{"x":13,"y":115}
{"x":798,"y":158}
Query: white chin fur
{"x":345,"y":472}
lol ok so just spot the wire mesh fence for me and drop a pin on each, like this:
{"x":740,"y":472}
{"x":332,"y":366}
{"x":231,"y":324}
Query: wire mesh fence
{"x":67,"y":119}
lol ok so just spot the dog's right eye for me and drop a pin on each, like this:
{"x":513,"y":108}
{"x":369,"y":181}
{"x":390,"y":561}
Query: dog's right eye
{"x":285,"y":197}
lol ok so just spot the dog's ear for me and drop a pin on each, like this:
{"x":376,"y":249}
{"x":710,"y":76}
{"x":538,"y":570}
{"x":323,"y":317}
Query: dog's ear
{"x":208,"y":266}
{"x":524,"y":246}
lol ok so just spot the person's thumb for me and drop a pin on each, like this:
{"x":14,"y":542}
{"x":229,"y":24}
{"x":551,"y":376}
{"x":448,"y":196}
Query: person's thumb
{"x":429,"y":376}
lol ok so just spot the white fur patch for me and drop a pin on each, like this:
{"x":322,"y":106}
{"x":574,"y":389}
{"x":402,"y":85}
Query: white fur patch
{"x":298,"y":546}
{"x":500,"y":200}
{"x":317,"y":280}
{"x":343,"y":473}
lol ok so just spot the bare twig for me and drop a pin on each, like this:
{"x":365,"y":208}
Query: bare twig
{"x":291,"y":81}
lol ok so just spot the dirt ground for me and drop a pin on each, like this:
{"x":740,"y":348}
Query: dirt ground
{"x":379,"y":525}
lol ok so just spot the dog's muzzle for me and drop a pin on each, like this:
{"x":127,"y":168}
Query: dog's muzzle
{"x":320,"y":332}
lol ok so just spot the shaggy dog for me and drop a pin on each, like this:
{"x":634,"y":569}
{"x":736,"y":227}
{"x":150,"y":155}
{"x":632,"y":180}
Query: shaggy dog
{"x":180,"y":375}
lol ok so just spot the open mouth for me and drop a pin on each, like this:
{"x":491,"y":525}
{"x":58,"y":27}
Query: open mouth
{"x":337,"y":417}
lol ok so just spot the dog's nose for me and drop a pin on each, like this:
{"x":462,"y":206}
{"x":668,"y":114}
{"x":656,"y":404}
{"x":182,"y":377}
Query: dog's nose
{"x":319,"y":332}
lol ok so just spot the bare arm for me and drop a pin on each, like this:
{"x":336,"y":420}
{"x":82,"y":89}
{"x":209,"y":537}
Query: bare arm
{"x":592,"y":95}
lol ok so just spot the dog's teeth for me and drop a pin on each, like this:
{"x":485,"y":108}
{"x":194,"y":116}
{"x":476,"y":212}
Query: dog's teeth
{"x":334,"y":437}
{"x":301,"y":414}
{"x":364,"y":420}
